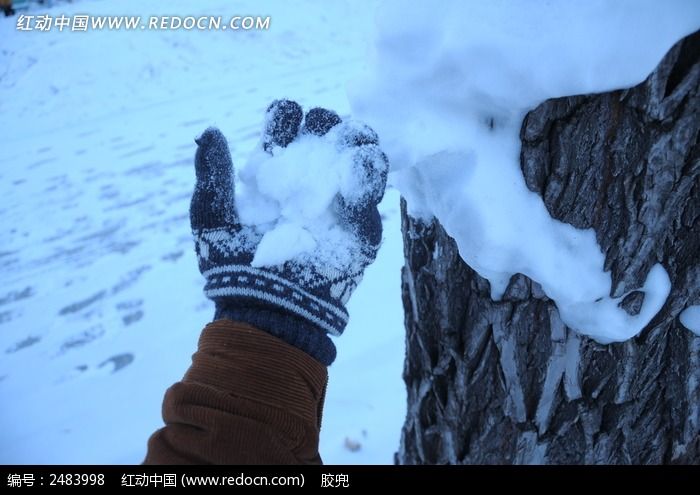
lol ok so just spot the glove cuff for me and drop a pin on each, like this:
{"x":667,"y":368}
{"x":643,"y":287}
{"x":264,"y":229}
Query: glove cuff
{"x":231,"y":282}
{"x":287,"y":327}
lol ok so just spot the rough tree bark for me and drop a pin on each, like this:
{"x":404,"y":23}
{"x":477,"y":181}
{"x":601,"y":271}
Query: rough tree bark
{"x":508,"y":382}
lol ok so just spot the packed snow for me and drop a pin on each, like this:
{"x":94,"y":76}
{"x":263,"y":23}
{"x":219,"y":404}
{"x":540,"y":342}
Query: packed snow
{"x":101,"y":303}
{"x":289,"y":194}
{"x":690,"y":319}
{"x":447,"y":89}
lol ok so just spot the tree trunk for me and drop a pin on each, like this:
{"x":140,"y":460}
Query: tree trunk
{"x":507,"y":382}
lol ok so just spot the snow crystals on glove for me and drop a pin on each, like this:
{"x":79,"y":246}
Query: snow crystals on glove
{"x":290,"y":195}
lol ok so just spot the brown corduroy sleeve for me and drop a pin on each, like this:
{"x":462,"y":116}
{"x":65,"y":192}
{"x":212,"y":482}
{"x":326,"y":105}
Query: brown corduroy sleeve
{"x":248,"y":398}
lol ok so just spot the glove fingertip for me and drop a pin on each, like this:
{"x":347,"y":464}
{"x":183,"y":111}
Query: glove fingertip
{"x":319,"y":121}
{"x":357,"y":134}
{"x":212,"y":156}
{"x":282,"y":123}
{"x":211,"y":135}
{"x":212,"y":203}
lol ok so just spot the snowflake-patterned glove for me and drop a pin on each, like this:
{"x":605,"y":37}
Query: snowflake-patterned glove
{"x":301,"y":300}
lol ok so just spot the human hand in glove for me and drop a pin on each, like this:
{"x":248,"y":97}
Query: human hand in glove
{"x":300,"y":300}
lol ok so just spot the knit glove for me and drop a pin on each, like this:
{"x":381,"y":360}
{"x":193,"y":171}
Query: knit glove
{"x":302,"y":300}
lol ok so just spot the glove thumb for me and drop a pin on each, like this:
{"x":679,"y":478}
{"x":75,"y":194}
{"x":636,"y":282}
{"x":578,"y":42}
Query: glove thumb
{"x":212,"y":203}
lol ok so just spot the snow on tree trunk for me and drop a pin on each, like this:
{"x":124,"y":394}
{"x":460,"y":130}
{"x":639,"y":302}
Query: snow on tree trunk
{"x":507,"y":382}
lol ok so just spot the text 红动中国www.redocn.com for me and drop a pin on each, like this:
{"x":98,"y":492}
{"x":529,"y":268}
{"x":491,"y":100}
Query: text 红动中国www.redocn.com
{"x":45,"y":22}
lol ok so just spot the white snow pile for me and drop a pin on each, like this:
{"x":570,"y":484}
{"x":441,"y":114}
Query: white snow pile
{"x":289,"y":195}
{"x":447,"y":89}
{"x":690,"y":318}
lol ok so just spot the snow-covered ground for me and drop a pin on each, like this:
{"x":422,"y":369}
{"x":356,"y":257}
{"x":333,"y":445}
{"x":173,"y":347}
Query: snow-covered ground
{"x":101,"y":301}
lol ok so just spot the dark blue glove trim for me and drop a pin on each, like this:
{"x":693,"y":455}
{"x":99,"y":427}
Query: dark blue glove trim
{"x":293,"y":330}
{"x":230,"y":282}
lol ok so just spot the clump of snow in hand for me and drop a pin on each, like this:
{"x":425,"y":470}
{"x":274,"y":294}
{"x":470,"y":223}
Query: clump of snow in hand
{"x":448,"y":96}
{"x":289,"y":195}
{"x":690,"y":319}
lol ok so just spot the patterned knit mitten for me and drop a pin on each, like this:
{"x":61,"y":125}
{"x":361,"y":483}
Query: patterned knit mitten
{"x":301,"y":300}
